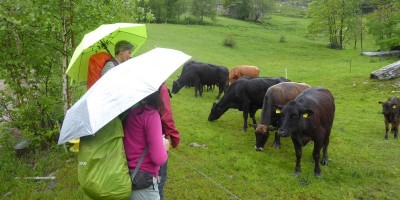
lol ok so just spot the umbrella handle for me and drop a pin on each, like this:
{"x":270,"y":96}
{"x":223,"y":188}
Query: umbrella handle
{"x":103,"y":44}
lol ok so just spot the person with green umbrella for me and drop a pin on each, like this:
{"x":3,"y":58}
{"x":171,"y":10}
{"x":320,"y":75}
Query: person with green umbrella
{"x":123,"y":50}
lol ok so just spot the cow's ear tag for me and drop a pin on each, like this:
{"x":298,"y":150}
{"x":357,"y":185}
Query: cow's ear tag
{"x":305,"y":115}
{"x":394,"y":106}
{"x":277,"y":111}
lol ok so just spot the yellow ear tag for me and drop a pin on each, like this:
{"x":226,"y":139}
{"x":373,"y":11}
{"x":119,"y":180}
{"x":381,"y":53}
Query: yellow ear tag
{"x":394,"y":106}
{"x":277,"y":111}
{"x":305,"y":115}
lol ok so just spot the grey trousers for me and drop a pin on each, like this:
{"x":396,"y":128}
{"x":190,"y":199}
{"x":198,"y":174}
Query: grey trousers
{"x":150,"y":193}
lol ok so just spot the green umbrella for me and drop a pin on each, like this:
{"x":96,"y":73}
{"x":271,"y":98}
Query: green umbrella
{"x":103,"y":39}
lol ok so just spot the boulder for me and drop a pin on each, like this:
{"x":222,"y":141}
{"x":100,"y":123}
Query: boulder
{"x":388,"y":72}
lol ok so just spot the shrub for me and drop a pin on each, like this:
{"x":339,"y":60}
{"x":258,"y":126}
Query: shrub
{"x":282,"y":39}
{"x":229,"y":42}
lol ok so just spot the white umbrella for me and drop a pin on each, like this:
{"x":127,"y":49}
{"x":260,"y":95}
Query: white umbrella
{"x":118,"y":90}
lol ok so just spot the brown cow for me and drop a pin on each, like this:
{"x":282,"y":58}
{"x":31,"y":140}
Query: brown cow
{"x":243,"y":70}
{"x":278,"y":94}
{"x":391,"y":112}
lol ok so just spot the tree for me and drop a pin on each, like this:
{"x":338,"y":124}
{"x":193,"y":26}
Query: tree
{"x":204,"y":8}
{"x":37,"y":38}
{"x":249,"y":9}
{"x":384,"y":23}
{"x":142,"y":11}
{"x":333,"y":18}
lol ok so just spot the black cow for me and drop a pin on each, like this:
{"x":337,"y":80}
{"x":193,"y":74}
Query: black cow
{"x":309,"y":117}
{"x":391,"y":112}
{"x":198,"y":74}
{"x":278,"y":94}
{"x":245,"y":94}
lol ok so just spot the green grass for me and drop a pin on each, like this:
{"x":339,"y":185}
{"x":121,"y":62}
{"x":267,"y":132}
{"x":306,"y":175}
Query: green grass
{"x":362,"y":164}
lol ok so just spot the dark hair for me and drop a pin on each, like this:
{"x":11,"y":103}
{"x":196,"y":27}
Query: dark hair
{"x":154,"y":100}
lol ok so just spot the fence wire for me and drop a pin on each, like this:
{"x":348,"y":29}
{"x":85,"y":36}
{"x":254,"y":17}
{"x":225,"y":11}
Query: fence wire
{"x":200,"y":172}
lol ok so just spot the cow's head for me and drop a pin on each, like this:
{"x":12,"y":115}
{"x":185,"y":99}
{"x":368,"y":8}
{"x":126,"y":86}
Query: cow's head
{"x":293,"y":116}
{"x":176,"y":86}
{"x":262,"y":135}
{"x":216,"y":112}
{"x":389,"y":107}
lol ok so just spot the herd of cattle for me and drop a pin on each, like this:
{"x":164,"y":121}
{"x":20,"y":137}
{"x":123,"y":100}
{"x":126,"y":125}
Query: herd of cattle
{"x":292,"y":109}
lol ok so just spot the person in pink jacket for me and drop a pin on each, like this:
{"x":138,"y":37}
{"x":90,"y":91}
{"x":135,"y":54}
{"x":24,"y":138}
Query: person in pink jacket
{"x":142,"y":127}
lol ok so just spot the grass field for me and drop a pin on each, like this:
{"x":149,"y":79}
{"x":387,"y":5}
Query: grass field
{"x":362,"y":164}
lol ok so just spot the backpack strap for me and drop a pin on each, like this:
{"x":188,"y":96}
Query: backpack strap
{"x":114,"y":61}
{"x":139,"y":163}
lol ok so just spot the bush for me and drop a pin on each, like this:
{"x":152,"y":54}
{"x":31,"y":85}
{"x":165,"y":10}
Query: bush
{"x":282,"y":39}
{"x":229,"y":42}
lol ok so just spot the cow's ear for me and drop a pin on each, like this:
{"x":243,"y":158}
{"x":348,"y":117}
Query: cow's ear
{"x":307,"y":113}
{"x":380,"y":102}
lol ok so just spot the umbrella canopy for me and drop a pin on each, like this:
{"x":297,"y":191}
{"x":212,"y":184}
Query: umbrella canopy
{"x":119,"y":89}
{"x":105,"y":36}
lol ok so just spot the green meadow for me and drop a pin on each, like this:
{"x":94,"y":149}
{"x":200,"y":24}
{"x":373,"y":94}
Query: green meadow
{"x":217,"y":160}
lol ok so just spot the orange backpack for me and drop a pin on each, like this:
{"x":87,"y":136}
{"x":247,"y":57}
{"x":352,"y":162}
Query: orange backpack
{"x":96,"y":64}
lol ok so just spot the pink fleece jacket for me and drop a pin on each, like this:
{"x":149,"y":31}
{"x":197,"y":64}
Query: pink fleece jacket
{"x":142,"y":126}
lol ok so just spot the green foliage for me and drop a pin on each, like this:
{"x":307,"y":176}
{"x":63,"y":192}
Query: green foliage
{"x":143,"y":11}
{"x":204,"y":8}
{"x":332,"y":18}
{"x":384,"y":22}
{"x":230,"y":41}
{"x":290,"y":10}
{"x":36,"y":39}
{"x":32,"y":101}
{"x":250,"y":9}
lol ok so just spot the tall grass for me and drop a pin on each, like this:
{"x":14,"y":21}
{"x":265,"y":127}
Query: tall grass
{"x":362,"y":164}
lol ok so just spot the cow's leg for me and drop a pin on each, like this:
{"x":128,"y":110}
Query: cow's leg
{"x":325,"y":158}
{"x":253,"y":115}
{"x":245,"y":116}
{"x":201,"y":87}
{"x":387,"y":129}
{"x":316,"y":152}
{"x":298,"y":150}
{"x":277,"y":141}
{"x":220,"y":90}
{"x":396,"y":129}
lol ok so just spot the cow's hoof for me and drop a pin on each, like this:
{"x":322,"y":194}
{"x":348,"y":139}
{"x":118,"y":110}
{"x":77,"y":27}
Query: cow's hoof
{"x":259,"y":148}
{"x":386,"y":138}
{"x":324,"y":161}
{"x":318,"y":174}
{"x":296,"y":173}
{"x":277,"y":146}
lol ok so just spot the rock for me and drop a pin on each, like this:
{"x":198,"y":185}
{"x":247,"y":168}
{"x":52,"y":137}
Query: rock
{"x":50,"y":186}
{"x":198,"y":145}
{"x":382,"y":54}
{"x":21,"y":148}
{"x":388,"y":72}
